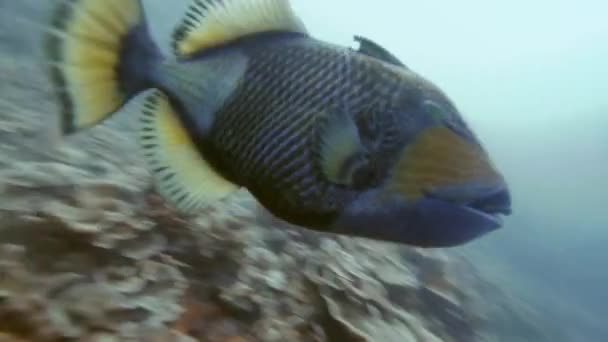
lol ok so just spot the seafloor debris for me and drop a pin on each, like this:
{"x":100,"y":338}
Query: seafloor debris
{"x":88,"y":252}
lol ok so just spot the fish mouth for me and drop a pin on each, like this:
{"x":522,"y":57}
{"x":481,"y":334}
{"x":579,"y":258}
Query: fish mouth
{"x":447,"y":217}
{"x":485,"y":203}
{"x":493,"y":219}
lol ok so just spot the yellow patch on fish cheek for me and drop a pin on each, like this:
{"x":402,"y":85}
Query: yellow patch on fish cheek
{"x":440,"y":158}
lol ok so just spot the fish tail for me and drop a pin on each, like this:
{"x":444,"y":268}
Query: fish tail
{"x":100,"y":54}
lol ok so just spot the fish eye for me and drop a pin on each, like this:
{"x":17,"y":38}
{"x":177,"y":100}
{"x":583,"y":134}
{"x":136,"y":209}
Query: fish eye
{"x":363,"y":173}
{"x":364,"y":176}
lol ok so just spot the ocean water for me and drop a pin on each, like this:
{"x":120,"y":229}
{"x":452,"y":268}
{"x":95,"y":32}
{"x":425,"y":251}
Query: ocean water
{"x":531,"y":80}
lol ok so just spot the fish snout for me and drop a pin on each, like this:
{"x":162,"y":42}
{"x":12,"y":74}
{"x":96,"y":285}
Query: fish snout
{"x":446,"y":217}
{"x":444,"y":191}
{"x":494,"y":201}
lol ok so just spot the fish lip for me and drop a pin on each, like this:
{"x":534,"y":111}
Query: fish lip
{"x":494,"y":218}
{"x":491,"y":203}
{"x":425,"y":222}
{"x":495,"y":210}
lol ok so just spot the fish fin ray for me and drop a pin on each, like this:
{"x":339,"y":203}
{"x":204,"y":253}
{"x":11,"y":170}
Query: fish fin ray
{"x":372,"y":49}
{"x":84,"y":43}
{"x":209,"y":23}
{"x":182,"y":174}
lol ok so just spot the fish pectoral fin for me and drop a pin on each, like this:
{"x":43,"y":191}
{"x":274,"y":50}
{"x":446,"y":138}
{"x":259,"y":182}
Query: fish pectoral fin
{"x":182,"y":174}
{"x":339,"y":150}
{"x":372,"y":49}
{"x":209,"y":23}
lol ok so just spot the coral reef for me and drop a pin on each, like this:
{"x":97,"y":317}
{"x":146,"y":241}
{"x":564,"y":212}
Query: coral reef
{"x":89,"y":252}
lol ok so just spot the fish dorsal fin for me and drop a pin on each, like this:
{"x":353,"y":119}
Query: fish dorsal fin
{"x":339,"y":150}
{"x":372,"y":49}
{"x":209,"y":23}
{"x":182,"y":174}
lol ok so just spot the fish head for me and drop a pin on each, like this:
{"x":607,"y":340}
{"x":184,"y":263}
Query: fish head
{"x":441,"y":190}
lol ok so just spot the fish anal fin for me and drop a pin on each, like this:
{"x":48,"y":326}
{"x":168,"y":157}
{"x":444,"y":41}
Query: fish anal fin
{"x":182,"y":174}
{"x":210,"y":23}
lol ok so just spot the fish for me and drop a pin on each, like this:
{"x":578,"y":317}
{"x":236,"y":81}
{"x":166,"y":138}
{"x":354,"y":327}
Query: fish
{"x":336,"y":139}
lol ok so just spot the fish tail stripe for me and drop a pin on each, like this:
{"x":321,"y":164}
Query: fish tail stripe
{"x":84,"y":42}
{"x":210,"y":23}
{"x":181,"y":173}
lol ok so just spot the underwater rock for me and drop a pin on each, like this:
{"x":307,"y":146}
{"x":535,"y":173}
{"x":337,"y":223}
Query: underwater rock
{"x":89,"y":252}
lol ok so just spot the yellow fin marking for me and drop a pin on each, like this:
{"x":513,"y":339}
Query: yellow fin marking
{"x":88,"y":100}
{"x":84,"y":45}
{"x":210,"y":23}
{"x":182,"y":174}
{"x":83,"y":77}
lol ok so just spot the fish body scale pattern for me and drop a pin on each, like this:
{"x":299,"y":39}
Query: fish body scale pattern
{"x":265,"y":134}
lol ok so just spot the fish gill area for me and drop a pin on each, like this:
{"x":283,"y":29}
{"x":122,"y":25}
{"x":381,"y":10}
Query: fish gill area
{"x":89,"y":252}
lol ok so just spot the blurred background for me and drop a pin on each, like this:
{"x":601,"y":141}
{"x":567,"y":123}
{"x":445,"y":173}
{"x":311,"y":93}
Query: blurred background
{"x":530,"y":78}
